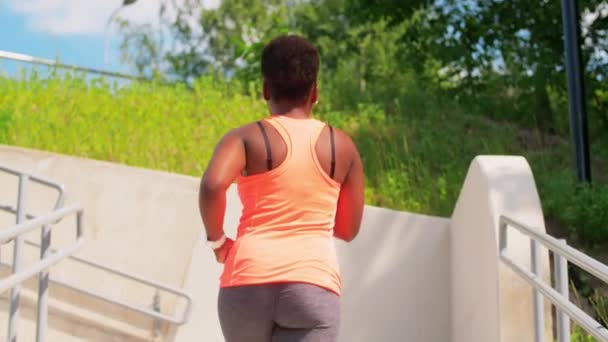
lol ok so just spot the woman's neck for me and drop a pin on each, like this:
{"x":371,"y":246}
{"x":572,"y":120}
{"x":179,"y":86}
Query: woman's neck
{"x":300,"y":111}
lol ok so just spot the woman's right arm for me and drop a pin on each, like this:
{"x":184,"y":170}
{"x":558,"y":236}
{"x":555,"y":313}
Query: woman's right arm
{"x":351,"y":200}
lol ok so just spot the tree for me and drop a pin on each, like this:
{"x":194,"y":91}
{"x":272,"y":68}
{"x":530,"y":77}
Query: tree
{"x":505,"y":58}
{"x":228,"y":38}
{"x":520,"y":40}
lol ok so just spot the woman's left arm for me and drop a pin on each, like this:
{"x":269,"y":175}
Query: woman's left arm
{"x":226,"y":164}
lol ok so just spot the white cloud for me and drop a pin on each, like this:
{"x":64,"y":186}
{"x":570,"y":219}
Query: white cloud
{"x":84,"y":17}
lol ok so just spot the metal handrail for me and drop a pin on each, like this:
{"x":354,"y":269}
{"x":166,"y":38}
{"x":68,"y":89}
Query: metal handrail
{"x":47,"y":260}
{"x":36,"y":179}
{"x":18,"y":57}
{"x":177,"y":320}
{"x":563,"y":253}
{"x":21,"y":215}
{"x":10,"y":233}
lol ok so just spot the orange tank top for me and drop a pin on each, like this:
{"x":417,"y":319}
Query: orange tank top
{"x":285,"y":232}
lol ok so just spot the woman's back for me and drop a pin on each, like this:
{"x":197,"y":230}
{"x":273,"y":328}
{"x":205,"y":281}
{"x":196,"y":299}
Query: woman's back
{"x":289,"y":205}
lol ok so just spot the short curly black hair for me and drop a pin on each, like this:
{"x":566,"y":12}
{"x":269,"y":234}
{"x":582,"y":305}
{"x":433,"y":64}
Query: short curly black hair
{"x":290,"y":65}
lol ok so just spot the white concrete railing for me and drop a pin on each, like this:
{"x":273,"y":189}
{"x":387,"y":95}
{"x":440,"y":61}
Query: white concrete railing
{"x":558,"y":296}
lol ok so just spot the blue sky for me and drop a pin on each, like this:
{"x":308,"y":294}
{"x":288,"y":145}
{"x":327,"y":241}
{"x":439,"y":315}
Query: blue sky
{"x":16,"y":36}
{"x":71,"y":30}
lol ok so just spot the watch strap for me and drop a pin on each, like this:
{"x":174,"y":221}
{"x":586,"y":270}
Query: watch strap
{"x":217,"y":243}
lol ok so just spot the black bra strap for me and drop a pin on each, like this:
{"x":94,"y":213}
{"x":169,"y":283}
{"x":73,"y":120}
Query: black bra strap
{"x":333,"y":152}
{"x":267,"y":143}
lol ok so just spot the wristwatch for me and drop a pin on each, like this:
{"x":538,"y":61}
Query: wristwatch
{"x":217,"y":243}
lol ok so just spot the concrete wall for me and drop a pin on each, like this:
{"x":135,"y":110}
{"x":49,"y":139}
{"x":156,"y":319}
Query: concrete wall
{"x":406,"y":277}
{"x":489,"y":301}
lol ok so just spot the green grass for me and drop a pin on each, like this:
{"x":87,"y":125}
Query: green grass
{"x":418,"y":162}
{"x":599,"y":304}
{"x":579,"y":335}
{"x":160,"y":127}
{"x":414,"y":161}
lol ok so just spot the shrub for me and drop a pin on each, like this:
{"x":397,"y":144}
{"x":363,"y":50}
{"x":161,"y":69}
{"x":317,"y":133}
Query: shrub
{"x":583,"y":209}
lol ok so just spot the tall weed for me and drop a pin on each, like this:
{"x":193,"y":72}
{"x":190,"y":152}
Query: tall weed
{"x":150,"y":125}
{"x":415,"y":156}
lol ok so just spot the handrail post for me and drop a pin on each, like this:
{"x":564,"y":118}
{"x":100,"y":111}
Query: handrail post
{"x":503,"y":237}
{"x":560,"y":265}
{"x":13,"y":319}
{"x":539,"y":314}
{"x":156,"y":308}
{"x":43,"y":287}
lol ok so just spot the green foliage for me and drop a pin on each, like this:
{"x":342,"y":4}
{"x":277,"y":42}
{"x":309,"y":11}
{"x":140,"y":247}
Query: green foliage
{"x":149,"y":125}
{"x":583,"y":209}
{"x":141,"y":50}
{"x":580,"y":335}
{"x":599,"y":101}
{"x":414,"y":161}
{"x":5,"y":125}
{"x":600,"y":310}
{"x":372,"y":75}
{"x":526,"y":38}
{"x":498,"y":59}
{"x":237,"y":30}
{"x":415,"y":158}
{"x":600,"y":305}
{"x":192,"y":41}
{"x":501,"y":59}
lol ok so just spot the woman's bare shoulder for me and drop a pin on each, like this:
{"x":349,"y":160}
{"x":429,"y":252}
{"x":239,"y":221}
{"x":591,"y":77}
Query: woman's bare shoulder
{"x":244,"y":130}
{"x":344,"y":139}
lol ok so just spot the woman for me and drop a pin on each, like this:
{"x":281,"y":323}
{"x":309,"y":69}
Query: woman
{"x":300,"y":182}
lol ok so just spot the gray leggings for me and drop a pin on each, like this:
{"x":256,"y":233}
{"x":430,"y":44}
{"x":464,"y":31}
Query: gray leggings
{"x":289,"y":312}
